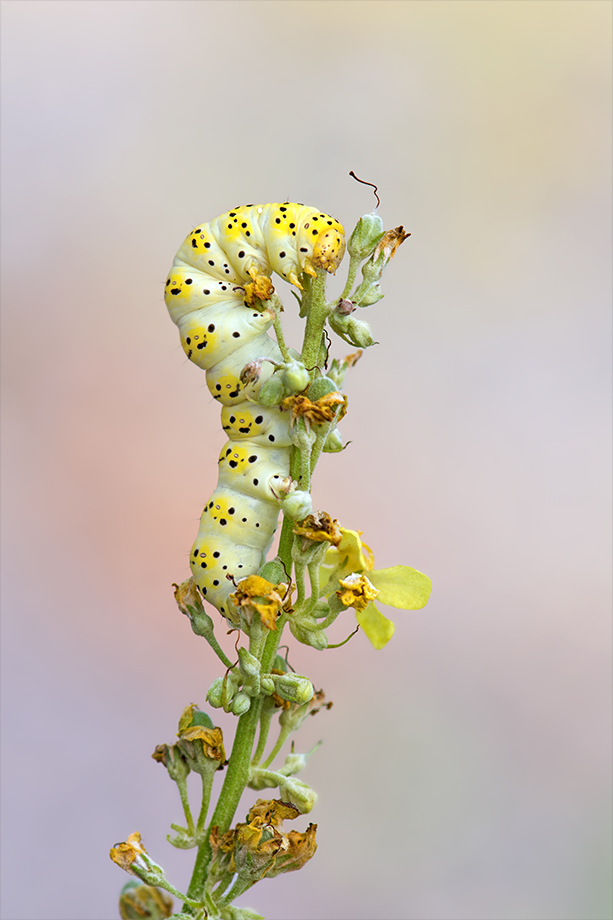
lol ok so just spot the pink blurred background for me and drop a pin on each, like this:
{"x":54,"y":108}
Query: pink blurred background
{"x":465,"y":770}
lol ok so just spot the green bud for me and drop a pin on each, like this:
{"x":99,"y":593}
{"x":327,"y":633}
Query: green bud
{"x":316,"y":638}
{"x":333,"y":442}
{"x":237,"y":913}
{"x":294,"y":763}
{"x":297,"y":505}
{"x":280,"y":664}
{"x":367,"y":233}
{"x":296,"y":377}
{"x":272,"y":391}
{"x":215,"y":696}
{"x":293,"y":687}
{"x":241,"y":703}
{"x":267,"y":685}
{"x":138,"y":901}
{"x":274,"y":572}
{"x":352,"y":330}
{"x":298,"y":794}
{"x":321,"y":387}
{"x":202,"y":718}
{"x":371,"y":295}
{"x":250,"y":669}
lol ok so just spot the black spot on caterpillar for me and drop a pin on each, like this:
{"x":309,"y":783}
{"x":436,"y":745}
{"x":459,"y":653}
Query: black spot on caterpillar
{"x":205,"y":295}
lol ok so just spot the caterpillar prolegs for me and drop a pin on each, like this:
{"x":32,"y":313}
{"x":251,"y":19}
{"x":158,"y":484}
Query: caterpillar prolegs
{"x":210,"y":296}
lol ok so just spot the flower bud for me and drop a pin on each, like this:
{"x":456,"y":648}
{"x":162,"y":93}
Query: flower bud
{"x":297,"y":505}
{"x":293,"y":687}
{"x":294,"y":763}
{"x":274,"y":572}
{"x":371,"y":295}
{"x":296,"y":377}
{"x":241,"y":703}
{"x":367,"y":233}
{"x":280,"y":664}
{"x":322,"y":386}
{"x":272,"y":391}
{"x":138,"y":900}
{"x":298,"y":794}
{"x":191,"y":715}
{"x":267,"y":685}
{"x":316,"y":638}
{"x":352,"y":330}
{"x":216,"y":696}
{"x":333,"y":442}
{"x":250,"y":669}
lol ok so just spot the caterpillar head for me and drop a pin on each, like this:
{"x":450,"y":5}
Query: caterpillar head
{"x":329,"y":248}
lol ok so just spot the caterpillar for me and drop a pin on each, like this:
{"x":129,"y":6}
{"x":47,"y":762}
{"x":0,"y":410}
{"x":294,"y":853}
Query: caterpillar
{"x":210,"y":296}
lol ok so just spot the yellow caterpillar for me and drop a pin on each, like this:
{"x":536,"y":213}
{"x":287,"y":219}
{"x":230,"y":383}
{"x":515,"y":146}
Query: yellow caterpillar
{"x":208,"y":295}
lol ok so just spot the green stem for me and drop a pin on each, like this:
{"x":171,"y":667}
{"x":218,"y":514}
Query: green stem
{"x":264,"y":647}
{"x":352,"y":272}
{"x":300,"y":583}
{"x":207,"y":785}
{"x":218,"y":651}
{"x":182,"y":787}
{"x":240,"y":886}
{"x":229,"y":797}
{"x":316,"y":318}
{"x":265,"y":720}
{"x":283,"y":736}
{"x":280,"y":337}
{"x":272,"y":642}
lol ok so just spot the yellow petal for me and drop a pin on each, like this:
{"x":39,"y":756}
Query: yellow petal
{"x":377,"y":627}
{"x":401,"y":586}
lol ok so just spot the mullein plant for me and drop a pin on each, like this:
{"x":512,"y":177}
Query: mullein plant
{"x":320,"y":571}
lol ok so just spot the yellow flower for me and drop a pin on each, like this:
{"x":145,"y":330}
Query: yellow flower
{"x":357,"y":591}
{"x":125,"y":855}
{"x":318,"y":527}
{"x":399,"y":586}
{"x":256,"y":595}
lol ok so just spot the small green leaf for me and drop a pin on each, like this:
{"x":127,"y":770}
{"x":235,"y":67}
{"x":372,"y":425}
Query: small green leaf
{"x":401,"y":586}
{"x":378,"y":628}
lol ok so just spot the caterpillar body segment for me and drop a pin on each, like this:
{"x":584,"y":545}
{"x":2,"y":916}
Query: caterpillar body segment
{"x":222,"y":328}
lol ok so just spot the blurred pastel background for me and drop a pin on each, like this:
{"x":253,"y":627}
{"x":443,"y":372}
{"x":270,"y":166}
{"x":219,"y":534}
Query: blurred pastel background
{"x":466,"y":769}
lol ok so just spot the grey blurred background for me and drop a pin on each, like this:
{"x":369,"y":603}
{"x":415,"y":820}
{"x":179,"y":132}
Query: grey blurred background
{"x":465,"y":770}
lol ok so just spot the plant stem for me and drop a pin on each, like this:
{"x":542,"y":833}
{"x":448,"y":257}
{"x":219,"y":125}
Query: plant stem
{"x":352,"y":272}
{"x":182,"y":787}
{"x":265,"y":720}
{"x":264,"y":646}
{"x":207,"y":785}
{"x":229,"y":797}
{"x":280,"y":337}
{"x":283,"y":736}
{"x":316,"y":317}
